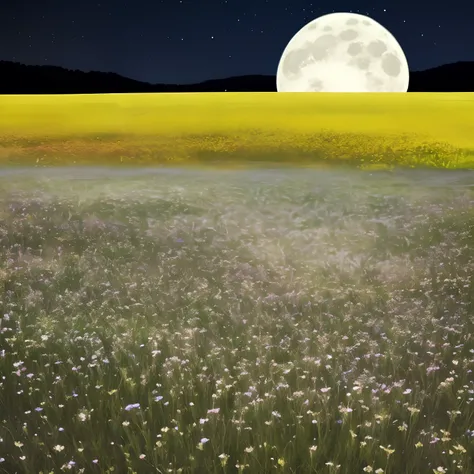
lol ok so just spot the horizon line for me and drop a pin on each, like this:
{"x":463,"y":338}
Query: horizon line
{"x":186,"y":83}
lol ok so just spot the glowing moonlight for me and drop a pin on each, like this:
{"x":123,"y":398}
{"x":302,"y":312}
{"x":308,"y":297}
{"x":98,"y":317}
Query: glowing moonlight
{"x":343,"y":52}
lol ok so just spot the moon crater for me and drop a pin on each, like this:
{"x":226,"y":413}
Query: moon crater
{"x":294,"y":60}
{"x":316,"y":85}
{"x":355,"y":48}
{"x":319,"y":49}
{"x":391,"y":65}
{"x":376,"y":48}
{"x":349,"y":35}
{"x":363,"y":63}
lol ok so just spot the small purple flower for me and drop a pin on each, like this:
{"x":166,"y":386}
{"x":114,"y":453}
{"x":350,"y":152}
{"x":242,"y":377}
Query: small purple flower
{"x":158,"y":398}
{"x":180,"y":241}
{"x":132,"y":406}
{"x":38,"y":409}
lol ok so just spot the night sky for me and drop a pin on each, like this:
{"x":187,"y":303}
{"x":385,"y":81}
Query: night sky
{"x":188,"y":41}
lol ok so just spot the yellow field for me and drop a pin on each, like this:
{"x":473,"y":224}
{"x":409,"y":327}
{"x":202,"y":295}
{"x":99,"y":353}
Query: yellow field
{"x":239,"y":128}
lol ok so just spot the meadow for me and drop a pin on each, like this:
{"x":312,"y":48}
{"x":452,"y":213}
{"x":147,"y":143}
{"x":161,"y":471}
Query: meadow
{"x":239,"y":130}
{"x":264,"y":321}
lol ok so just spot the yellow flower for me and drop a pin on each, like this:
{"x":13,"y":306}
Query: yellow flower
{"x":224,"y":458}
{"x":460,"y":448}
{"x":387,"y":450}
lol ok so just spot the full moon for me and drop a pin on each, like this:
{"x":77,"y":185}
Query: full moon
{"x":343,"y":52}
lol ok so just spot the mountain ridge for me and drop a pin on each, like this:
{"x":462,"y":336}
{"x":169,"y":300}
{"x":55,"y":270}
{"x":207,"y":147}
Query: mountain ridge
{"x":18,"y":78}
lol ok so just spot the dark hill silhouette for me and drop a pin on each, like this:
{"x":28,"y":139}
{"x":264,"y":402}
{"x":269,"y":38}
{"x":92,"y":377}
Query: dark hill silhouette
{"x":16,"y":78}
{"x":454,"y":77}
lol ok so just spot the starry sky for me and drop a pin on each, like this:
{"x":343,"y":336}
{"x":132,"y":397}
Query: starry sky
{"x":189,"y":41}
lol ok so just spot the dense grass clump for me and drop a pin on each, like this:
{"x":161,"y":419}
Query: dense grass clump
{"x":217,"y":322}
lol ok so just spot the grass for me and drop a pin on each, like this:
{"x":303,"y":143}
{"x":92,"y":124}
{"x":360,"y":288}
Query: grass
{"x":221,"y":322}
{"x":237,"y":129}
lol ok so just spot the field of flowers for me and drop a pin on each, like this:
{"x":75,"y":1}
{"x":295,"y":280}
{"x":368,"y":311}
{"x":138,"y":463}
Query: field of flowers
{"x":239,"y":129}
{"x":221,"y":322}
